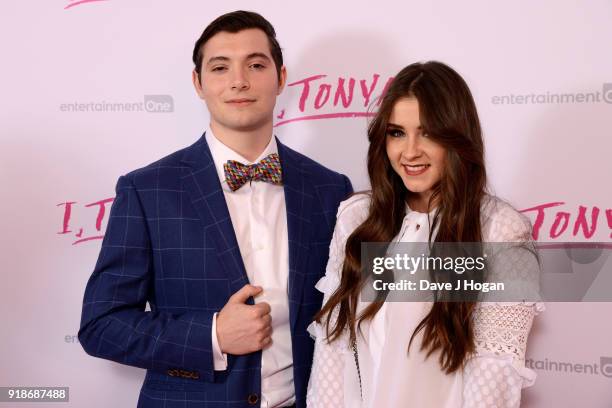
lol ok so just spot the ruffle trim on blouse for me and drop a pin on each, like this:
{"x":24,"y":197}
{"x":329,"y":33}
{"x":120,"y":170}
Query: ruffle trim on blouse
{"x":327,"y":284}
{"x":527,"y":375}
{"x":317,"y":332}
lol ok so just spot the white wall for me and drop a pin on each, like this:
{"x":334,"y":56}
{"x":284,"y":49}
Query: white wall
{"x":120,"y":51}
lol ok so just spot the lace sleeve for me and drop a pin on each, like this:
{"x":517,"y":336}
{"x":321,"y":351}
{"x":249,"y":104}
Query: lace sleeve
{"x":495,"y":375}
{"x":326,"y":387}
{"x":329,"y":376}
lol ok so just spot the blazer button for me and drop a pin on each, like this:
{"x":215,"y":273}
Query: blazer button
{"x":252,"y":399}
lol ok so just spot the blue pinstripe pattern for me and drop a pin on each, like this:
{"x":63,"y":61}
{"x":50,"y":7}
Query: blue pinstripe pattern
{"x":170,"y":242}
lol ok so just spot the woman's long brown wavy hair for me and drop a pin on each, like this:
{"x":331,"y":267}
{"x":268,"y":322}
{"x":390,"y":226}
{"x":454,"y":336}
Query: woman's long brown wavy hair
{"x":448,"y":115}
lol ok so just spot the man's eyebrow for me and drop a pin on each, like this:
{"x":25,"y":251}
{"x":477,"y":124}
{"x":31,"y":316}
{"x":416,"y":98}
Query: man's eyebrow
{"x":226,"y":59}
{"x":258,"y":55}
{"x":217,"y":59}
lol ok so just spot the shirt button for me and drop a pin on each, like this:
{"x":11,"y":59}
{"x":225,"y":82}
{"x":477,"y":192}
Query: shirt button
{"x":252,"y":399}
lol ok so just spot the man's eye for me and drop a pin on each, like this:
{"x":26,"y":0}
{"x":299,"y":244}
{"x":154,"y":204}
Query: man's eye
{"x":258,"y":66}
{"x":218,"y":69}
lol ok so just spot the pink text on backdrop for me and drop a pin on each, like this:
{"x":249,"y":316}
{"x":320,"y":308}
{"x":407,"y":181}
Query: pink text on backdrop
{"x":582,"y":223}
{"x":100,"y":206}
{"x":319,"y":95}
{"x":74,"y":3}
{"x":556,"y":222}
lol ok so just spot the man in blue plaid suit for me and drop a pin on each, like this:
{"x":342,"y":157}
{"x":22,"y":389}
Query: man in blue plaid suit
{"x":225,"y":240}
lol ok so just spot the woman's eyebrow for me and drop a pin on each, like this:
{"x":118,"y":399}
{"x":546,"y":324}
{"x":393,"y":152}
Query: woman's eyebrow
{"x":393,"y":125}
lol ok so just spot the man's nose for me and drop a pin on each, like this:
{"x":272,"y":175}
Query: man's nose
{"x":240,"y":80}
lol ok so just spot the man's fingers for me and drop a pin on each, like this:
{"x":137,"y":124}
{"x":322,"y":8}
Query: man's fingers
{"x":244,"y":293}
{"x":263,"y":308}
{"x":263,"y":324}
{"x":267,"y":320}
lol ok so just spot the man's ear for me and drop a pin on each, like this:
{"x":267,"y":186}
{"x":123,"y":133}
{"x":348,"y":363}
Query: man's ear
{"x":195,"y":78}
{"x":282,"y":80}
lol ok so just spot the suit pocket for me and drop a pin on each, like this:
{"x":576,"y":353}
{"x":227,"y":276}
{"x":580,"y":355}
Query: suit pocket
{"x":163,"y":382}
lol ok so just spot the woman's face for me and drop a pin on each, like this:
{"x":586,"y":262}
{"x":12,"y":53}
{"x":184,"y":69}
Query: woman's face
{"x":417,"y":159}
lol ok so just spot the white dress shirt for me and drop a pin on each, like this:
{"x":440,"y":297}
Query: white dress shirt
{"x":259,"y":217}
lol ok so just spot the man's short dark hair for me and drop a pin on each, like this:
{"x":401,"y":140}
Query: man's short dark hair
{"x":232,"y":23}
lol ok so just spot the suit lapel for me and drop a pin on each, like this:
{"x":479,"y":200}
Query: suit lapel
{"x":298,"y":201}
{"x":202,"y":184}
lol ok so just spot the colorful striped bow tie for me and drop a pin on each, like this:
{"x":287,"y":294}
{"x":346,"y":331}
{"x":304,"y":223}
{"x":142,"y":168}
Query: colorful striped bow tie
{"x":268,"y":170}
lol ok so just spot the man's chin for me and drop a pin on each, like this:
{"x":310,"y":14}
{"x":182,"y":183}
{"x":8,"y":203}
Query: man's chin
{"x":246,"y":125}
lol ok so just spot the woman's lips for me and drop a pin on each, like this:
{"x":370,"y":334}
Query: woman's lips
{"x":416,"y":170}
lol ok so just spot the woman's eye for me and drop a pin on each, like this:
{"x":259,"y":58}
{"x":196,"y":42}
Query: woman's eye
{"x":395,"y":133}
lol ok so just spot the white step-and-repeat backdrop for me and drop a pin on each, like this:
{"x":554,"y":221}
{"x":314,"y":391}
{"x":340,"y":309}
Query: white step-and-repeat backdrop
{"x":93,"y":89}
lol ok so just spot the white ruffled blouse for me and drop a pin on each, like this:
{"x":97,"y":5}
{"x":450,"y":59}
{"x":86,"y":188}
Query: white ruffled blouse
{"x":390,"y":376}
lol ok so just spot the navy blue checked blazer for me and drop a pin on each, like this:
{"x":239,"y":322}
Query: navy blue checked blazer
{"x":170,"y":242}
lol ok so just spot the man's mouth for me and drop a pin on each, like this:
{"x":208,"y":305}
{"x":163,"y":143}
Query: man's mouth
{"x":241,"y":101}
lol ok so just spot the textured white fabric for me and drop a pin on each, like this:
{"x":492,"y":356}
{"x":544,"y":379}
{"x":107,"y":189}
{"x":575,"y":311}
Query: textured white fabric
{"x":391,"y":377}
{"x":259,"y":219}
{"x":330,"y":358}
{"x":495,"y":376}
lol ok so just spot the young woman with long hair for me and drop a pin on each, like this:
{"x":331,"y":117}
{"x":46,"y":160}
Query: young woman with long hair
{"x":428,"y":184}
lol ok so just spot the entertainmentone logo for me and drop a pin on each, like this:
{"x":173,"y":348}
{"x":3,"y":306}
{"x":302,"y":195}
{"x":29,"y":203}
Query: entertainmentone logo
{"x":605,"y":95}
{"x":150,"y":104}
{"x":604,"y":367}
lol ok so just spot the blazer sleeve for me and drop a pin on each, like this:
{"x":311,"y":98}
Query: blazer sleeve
{"x":348,"y":187}
{"x":114,"y":323}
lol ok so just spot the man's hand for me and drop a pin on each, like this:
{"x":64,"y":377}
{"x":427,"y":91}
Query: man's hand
{"x":241,"y":328}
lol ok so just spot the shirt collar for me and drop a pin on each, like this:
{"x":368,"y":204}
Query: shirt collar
{"x":418,"y":216}
{"x":222,"y":153}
